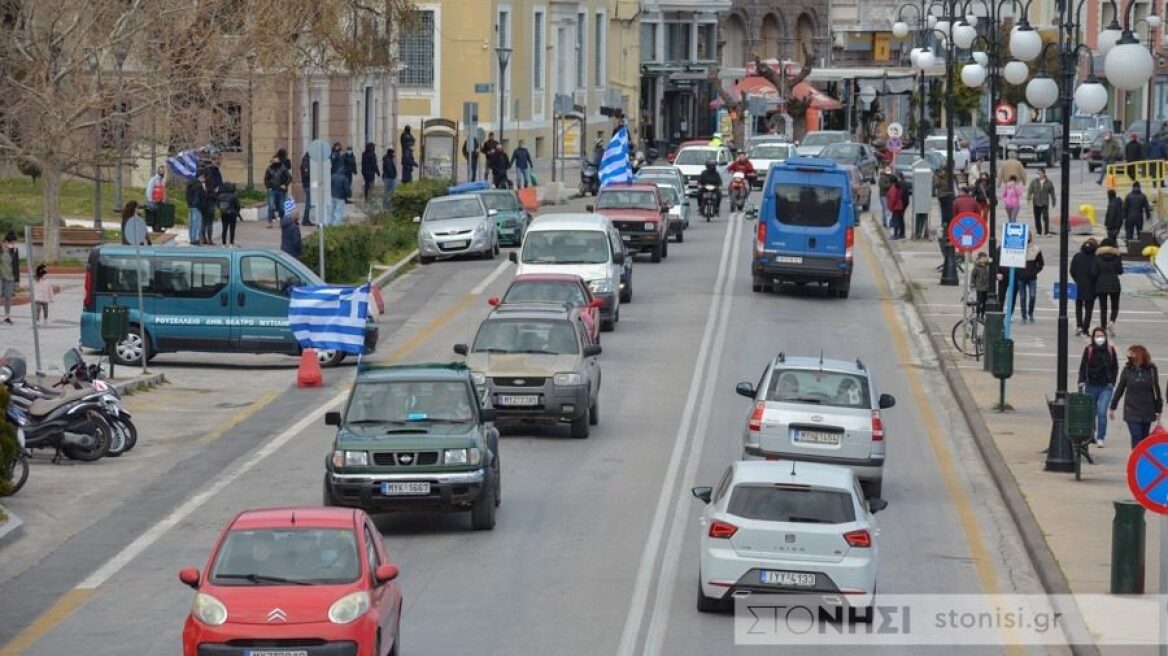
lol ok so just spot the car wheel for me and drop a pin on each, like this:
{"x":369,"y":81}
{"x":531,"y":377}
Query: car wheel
{"x":424,"y":259}
{"x":607,"y":325}
{"x":128,"y":352}
{"x":482,"y":513}
{"x":329,"y":358}
{"x":594,"y":411}
{"x":664,"y":248}
{"x":656,"y":257}
{"x":680,"y":235}
{"x":327,"y":496}
{"x":580,"y":426}
{"x":710,"y":604}
{"x":872,"y":489}
{"x":498,"y":483}
{"x":626,"y":294}
{"x":756,"y":284}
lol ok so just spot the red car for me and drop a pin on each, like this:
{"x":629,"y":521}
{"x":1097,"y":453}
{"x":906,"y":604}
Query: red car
{"x":295,"y":582}
{"x":640,"y":214}
{"x":555,"y":288}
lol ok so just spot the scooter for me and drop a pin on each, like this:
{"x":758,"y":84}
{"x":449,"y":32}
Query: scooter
{"x":16,"y":470}
{"x":739,"y":191}
{"x":708,"y":201}
{"x":80,"y":375}
{"x":73,"y":423}
{"x":589,"y":177}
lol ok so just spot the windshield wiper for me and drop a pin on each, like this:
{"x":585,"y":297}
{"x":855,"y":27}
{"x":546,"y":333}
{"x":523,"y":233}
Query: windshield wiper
{"x":492,"y":350}
{"x":445,"y":420}
{"x":366,"y":422}
{"x":261,"y":578}
{"x":807,"y":520}
{"x":802,"y":400}
{"x":538,"y":352}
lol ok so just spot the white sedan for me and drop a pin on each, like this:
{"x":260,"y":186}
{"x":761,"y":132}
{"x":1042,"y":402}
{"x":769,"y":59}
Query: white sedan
{"x":786,"y":527}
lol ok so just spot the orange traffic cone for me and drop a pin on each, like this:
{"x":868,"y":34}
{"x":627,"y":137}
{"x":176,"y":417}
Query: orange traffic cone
{"x":309,"y":374}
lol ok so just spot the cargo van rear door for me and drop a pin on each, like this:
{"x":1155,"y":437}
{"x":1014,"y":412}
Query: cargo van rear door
{"x":812,"y":215}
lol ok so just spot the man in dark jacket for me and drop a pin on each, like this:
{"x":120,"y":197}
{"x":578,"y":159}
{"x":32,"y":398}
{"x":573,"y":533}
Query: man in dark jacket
{"x":9,"y":272}
{"x":349,"y":162}
{"x":369,"y":169}
{"x":472,"y":159}
{"x":306,"y":184}
{"x":943,"y":190}
{"x":290,"y":236}
{"x":521,"y":159}
{"x":489,"y":146}
{"x":1098,"y":371}
{"x":408,"y":164}
{"x":1135,"y":209}
{"x":341,"y":189}
{"x":276,"y":181}
{"x":1040,"y":193}
{"x":500,"y":164}
{"x":388,"y":177}
{"x":1113,"y":219}
{"x":1105,"y":271}
{"x":1133,"y":152}
{"x":1084,"y":285}
{"x":407,"y":140}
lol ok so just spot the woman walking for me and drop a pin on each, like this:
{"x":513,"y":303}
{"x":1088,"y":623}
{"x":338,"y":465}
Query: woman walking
{"x":1105,"y":272}
{"x":895,"y":201}
{"x":1012,"y":193}
{"x":1098,"y":371}
{"x":1140,"y":382}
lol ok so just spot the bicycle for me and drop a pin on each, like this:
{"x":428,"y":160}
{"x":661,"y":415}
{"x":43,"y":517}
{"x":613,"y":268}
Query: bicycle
{"x":969,"y":332}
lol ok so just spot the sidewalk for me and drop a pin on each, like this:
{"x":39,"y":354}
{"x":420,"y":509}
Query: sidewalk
{"x":1072,"y":518}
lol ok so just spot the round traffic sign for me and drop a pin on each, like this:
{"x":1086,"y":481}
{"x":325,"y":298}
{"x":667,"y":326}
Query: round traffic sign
{"x":135,"y":231}
{"x":1004,"y":113}
{"x":894,"y":144}
{"x":319,"y":150}
{"x":968,"y":232}
{"x":1147,"y":472}
{"x":895,"y":130}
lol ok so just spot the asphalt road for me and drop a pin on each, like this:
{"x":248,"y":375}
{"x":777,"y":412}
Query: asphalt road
{"x":595,"y":551}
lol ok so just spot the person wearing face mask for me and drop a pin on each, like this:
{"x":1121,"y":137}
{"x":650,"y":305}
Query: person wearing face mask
{"x":1098,"y":371}
{"x":1140,"y":382}
{"x":1084,"y":285}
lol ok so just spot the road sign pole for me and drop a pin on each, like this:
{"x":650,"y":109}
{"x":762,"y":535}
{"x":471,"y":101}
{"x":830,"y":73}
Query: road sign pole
{"x":1163,"y":606}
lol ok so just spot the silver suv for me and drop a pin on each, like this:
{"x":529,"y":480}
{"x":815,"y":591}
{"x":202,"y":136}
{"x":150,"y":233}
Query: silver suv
{"x":535,"y":363}
{"x":818,"y":410}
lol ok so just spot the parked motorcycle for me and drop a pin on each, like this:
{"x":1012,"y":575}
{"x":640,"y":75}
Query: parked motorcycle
{"x":589,"y":177}
{"x":739,"y":191}
{"x":72,"y":423}
{"x":80,"y":375}
{"x":16,"y":470}
{"x":708,"y":201}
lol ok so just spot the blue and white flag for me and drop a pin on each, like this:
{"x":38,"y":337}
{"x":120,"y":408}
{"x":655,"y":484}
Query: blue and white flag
{"x":289,"y":205}
{"x":614,"y":166}
{"x":329,"y":317}
{"x":184,"y":164}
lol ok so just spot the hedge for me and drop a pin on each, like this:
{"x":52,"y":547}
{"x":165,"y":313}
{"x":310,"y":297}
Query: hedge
{"x":351,"y":249}
{"x":409,"y":200}
{"x":16,"y":224}
{"x":8,"y":445}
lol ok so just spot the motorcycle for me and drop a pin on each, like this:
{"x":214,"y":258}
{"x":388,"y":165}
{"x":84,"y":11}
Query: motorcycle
{"x":16,"y":470}
{"x":72,"y":423}
{"x":78,"y":373}
{"x":708,"y":201}
{"x":589,"y":177}
{"x":740,"y":187}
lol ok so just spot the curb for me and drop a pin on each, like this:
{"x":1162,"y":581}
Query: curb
{"x":10,"y":528}
{"x":1045,"y":564}
{"x":147,"y":380}
{"x":383,"y":278}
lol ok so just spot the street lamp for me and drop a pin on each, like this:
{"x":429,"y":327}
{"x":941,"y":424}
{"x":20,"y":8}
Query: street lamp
{"x":93,"y":63}
{"x":900,"y":29}
{"x":1152,"y":22}
{"x":120,"y":58}
{"x":504,"y":55}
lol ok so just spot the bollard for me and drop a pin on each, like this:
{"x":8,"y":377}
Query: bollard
{"x":948,"y":263}
{"x":1127,"y":548}
{"x":994,"y":322}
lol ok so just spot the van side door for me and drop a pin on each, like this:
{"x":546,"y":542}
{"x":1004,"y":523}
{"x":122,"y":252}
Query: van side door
{"x":262,"y":291}
{"x":192,"y":306}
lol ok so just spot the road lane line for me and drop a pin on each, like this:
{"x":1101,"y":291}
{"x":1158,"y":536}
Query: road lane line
{"x":640,"y":597}
{"x":239,"y":417}
{"x":503,"y":266}
{"x":667,"y":581}
{"x":45,"y":622}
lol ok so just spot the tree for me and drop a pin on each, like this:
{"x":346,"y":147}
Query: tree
{"x":736,"y":103}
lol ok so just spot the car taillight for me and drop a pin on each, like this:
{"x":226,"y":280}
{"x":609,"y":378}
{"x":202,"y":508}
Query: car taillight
{"x":722,"y":530}
{"x":850,"y":244}
{"x":861,"y":539}
{"x":89,"y":300}
{"x":877,"y":427}
{"x":755,"y":424}
{"x":760,"y":243}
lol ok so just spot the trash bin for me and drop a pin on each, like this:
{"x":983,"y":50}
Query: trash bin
{"x":160,"y":217}
{"x":115,"y":323}
{"x":1003,"y":358}
{"x":1080,"y":417}
{"x":993,"y":332}
{"x":1127,"y":548}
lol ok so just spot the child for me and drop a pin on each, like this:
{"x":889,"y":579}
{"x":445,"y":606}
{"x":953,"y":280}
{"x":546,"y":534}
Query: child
{"x":44,"y":293}
{"x":980,"y":282}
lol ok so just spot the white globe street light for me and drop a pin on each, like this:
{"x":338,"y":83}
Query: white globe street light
{"x":964,"y":35}
{"x":1042,"y":92}
{"x":925,"y":60}
{"x":1109,"y":37}
{"x":943,"y":26}
{"x":1016,"y":72}
{"x":973,"y":74}
{"x":1091,"y":96}
{"x":932,"y":21}
{"x":971,"y":19}
{"x":914,"y":56}
{"x":1129,"y":65}
{"x":867,"y":95}
{"x":1025,"y":43}
{"x":1153,"y":21}
{"x":981,"y":58}
{"x":900,"y":29}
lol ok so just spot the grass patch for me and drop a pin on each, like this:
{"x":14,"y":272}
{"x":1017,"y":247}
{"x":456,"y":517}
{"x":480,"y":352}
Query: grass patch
{"x":19,"y":197}
{"x":3,"y":516}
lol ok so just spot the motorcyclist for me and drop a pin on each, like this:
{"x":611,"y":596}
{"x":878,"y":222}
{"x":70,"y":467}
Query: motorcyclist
{"x":742,"y":164}
{"x":710,"y":176}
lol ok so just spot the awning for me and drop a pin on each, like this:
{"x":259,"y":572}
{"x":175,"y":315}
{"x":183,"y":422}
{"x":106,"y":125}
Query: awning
{"x":819,"y":99}
{"x":757,"y":85}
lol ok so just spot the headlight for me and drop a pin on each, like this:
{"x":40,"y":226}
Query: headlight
{"x":650,"y":226}
{"x":455,"y":457}
{"x":425,"y":235}
{"x":478,"y":378}
{"x":349,"y":607}
{"x":570,"y":378}
{"x":601,"y":286}
{"x":1043,"y":146}
{"x":342,"y":459}
{"x":209,"y":610}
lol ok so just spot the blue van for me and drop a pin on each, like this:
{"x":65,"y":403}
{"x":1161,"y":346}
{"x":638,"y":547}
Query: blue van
{"x":806,"y":226}
{"x":199,"y":299}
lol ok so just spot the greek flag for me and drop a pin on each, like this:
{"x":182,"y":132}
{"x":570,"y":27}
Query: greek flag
{"x":184,"y":164}
{"x":289,"y":205}
{"x":328,"y":317}
{"x":614,"y":166}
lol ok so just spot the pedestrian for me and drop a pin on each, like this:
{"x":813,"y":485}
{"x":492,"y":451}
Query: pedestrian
{"x":210,"y":203}
{"x":472,"y":158}
{"x":500,"y":164}
{"x":521,"y":158}
{"x":282,"y":155}
{"x":1081,"y":270}
{"x":276,"y":181}
{"x":982,"y":194}
{"x":407,"y":140}
{"x":1136,"y":208}
{"x":965,"y":202}
{"x":979,"y":282}
{"x":1133,"y":152}
{"x":43,"y":289}
{"x":341,"y":189}
{"x":336,"y":158}
{"x":974,"y":172}
{"x":1012,"y":168}
{"x":1026,"y":280}
{"x":194,"y":198}
{"x":229,"y":209}
{"x":156,"y":188}
{"x":489,"y":146}
{"x":290,"y":236}
{"x":1012,"y":198}
{"x":1098,"y":371}
{"x":1140,"y":382}
{"x":306,"y":184}
{"x":1040,"y":193}
{"x":130,"y":210}
{"x":213,"y":177}
{"x":388,"y":177}
{"x":1109,"y":152}
{"x":9,"y":272}
{"x":943,"y":190}
{"x":1113,"y":219}
{"x":896,"y":203}
{"x":1158,"y":152}
{"x":369,"y":169}
{"x":408,"y":164}
{"x":882,"y":185}
{"x":1105,"y":272}
{"x":349,"y":160}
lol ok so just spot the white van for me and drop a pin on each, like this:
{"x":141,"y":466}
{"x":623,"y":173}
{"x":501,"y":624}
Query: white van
{"x":583,"y":244}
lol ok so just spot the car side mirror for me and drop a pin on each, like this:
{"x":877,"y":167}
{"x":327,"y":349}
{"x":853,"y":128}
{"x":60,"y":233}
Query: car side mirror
{"x":493,"y":301}
{"x":592,"y":350}
{"x":332,"y":418}
{"x":460,"y":349}
{"x":385,"y":573}
{"x":513,"y":256}
{"x":876,"y":505}
{"x":488,"y":414}
{"x":703,"y":492}
{"x":618,"y":258}
{"x":596,"y":303}
{"x":745,"y":389}
{"x":589,"y":208}
{"x":492,"y":212}
{"x":417,"y":219}
{"x":887,"y":401}
{"x":189,"y":576}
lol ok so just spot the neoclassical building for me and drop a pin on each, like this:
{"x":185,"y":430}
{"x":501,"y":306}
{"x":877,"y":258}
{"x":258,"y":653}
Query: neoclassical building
{"x":775,"y":29}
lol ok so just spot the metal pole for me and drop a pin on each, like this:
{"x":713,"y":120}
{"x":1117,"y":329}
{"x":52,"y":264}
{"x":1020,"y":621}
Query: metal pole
{"x":1148,"y":91}
{"x":1163,"y":648}
{"x":36,"y":336}
{"x":502,"y":98}
{"x":320,"y":242}
{"x":921,"y":123}
{"x":121,"y":142}
{"x":554,"y":146}
{"x":950,"y":110}
{"x":250,"y":131}
{"x":993,"y":303}
{"x":141,"y":313}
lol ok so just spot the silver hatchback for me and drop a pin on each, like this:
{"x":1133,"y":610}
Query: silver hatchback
{"x":816,"y":410}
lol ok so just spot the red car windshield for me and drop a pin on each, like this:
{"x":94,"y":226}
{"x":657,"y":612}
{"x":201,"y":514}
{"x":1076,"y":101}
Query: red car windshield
{"x":287,"y":556}
{"x":626,"y":200}
{"x":546,"y":292}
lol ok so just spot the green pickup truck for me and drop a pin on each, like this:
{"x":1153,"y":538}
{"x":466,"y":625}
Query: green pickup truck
{"x":414,"y":437}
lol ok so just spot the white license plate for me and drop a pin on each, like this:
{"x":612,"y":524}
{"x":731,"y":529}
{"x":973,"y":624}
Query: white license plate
{"x":789,"y":259}
{"x":523,"y":400}
{"x":1025,"y":155}
{"x":456,"y":244}
{"x":817,"y":437}
{"x":403,"y":489}
{"x":269,"y":652}
{"x":789,"y":579}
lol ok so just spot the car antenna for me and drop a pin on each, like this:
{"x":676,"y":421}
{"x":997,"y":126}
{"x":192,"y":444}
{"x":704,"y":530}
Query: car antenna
{"x":792,"y":467}
{"x":820,"y":360}
{"x":293,"y":520}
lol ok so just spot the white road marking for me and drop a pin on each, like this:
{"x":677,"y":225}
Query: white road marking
{"x":640,"y":598}
{"x":154,"y":533}
{"x":479,"y":288}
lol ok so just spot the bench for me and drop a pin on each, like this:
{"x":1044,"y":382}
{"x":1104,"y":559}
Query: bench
{"x":87,"y":237}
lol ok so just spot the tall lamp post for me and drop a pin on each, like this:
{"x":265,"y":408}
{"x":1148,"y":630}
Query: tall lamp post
{"x":93,"y":63}
{"x":153,"y":61}
{"x":504,"y":55}
{"x":251,"y":58}
{"x":120,"y":58}
{"x":925,"y":21}
{"x":1152,"y":22}
{"x":1128,"y":66}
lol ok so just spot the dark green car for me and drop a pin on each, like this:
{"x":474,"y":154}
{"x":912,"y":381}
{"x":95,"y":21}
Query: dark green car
{"x":512,"y":220}
{"x":414,"y":437}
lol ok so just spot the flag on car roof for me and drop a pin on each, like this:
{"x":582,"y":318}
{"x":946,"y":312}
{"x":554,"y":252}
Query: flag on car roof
{"x":614,"y":166}
{"x":328,"y":317}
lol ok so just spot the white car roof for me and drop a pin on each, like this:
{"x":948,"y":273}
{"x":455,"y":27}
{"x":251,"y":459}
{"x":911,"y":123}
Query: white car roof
{"x":806,"y":473}
{"x":572,"y":221}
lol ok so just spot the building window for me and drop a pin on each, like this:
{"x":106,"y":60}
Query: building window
{"x":598,"y":50}
{"x":677,"y":42}
{"x":315,"y":120}
{"x":648,"y":42}
{"x":417,"y":53}
{"x":504,"y":37}
{"x":706,"y":43}
{"x":537,"y":51}
{"x":581,"y":61}
{"x":230,"y":127}
{"x":368,"y":114}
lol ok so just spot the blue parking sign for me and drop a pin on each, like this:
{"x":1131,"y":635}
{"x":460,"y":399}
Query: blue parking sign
{"x":1014,"y":238}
